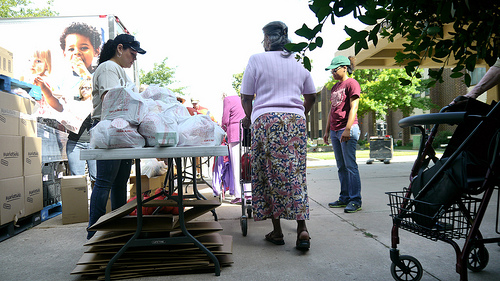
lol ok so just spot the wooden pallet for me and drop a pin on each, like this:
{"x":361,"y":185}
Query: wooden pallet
{"x":11,"y":229}
{"x":51,"y":211}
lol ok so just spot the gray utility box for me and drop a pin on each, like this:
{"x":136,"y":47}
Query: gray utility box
{"x":380,"y":149}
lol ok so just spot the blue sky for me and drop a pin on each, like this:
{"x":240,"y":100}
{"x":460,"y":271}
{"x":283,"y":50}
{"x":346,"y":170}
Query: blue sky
{"x":209,"y":41}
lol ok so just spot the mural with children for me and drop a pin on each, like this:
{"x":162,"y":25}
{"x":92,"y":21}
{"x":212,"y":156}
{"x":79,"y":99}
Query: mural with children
{"x":65,"y":75}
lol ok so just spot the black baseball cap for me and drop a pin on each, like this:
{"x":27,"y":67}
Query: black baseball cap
{"x":129,"y":40}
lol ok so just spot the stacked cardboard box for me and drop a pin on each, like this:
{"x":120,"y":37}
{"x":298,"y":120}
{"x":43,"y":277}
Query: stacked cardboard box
{"x":169,"y":251}
{"x":20,"y":160}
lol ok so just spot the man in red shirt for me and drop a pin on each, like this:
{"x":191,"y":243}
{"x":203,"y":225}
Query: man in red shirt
{"x":198,"y":109}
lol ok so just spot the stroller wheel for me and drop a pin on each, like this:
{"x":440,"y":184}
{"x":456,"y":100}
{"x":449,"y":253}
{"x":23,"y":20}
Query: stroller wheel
{"x":411,"y":271}
{"x":478,"y":258}
{"x":249,"y":212}
{"x":244,"y":225}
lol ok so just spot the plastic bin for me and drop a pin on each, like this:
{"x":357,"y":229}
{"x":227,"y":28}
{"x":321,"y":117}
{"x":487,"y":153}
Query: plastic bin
{"x":381,"y":149}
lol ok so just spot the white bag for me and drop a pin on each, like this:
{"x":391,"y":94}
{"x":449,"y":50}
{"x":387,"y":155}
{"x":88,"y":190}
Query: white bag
{"x":177,"y":111}
{"x":158,"y":93}
{"x":197,"y":130}
{"x":116,"y":133}
{"x":157,"y":127}
{"x":151,"y":167}
{"x":123,"y":103}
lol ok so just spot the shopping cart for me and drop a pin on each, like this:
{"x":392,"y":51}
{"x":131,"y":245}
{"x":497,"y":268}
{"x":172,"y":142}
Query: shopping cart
{"x":245,"y":178}
{"x":448,"y":197}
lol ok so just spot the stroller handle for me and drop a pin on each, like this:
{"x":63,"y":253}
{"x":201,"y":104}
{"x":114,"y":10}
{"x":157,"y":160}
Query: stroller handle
{"x":450,"y":118}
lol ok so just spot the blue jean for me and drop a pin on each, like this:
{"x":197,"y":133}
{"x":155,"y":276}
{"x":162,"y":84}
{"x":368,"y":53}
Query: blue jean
{"x":77,"y":166}
{"x":345,"y":155}
{"x":112,"y":176}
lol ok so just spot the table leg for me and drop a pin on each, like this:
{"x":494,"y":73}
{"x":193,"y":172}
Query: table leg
{"x":183,"y":225}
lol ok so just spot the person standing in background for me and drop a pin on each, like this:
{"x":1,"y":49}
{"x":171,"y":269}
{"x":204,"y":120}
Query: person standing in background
{"x":112,"y":175}
{"x":279,"y":138}
{"x":232,"y":113}
{"x":80,"y":44}
{"x":198,"y":109}
{"x":343,"y":130}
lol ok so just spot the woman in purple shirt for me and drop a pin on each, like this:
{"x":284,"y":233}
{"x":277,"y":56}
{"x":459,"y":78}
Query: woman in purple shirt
{"x":279,"y":137}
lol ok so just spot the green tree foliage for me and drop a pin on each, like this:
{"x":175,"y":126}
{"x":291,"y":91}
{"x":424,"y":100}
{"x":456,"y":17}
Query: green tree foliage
{"x":476,"y":34}
{"x":381,"y":91}
{"x":24,"y":8}
{"x":237,"y":78}
{"x":161,"y":75}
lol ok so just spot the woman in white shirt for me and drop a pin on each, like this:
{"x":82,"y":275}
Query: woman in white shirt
{"x":112,"y":175}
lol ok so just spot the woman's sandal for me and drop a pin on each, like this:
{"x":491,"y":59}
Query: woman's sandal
{"x":275,"y":239}
{"x":303,"y":244}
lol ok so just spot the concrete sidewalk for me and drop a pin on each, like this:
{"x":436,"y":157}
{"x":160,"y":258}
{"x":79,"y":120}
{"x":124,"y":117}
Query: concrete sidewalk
{"x":343,"y":246}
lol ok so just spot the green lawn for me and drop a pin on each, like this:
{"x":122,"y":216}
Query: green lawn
{"x":359,"y":154}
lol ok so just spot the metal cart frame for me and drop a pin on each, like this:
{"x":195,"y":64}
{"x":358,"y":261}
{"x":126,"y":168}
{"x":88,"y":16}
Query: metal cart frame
{"x":463,"y":217}
{"x":245,"y":170}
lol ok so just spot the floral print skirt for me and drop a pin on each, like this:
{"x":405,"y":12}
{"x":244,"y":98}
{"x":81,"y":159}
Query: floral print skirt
{"x":279,"y":189}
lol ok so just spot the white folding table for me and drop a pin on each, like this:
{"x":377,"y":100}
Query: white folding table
{"x":170,"y":153}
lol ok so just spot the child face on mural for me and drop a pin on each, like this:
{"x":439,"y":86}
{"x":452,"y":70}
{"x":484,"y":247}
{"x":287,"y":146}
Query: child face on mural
{"x":38,"y":65}
{"x":80,"y":52}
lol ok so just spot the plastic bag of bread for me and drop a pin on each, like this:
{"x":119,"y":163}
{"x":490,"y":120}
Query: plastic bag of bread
{"x":159,"y":129}
{"x":117,"y":133}
{"x":177,"y":111}
{"x":158,"y":93}
{"x":123,"y":103}
{"x":199,"y":130}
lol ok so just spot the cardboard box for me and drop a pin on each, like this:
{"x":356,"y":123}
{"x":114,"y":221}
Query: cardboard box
{"x":16,"y":103}
{"x":9,"y":122}
{"x":146,"y":184}
{"x":11,"y":157}
{"x":6,"y":62}
{"x":11,"y":199}
{"x":32,"y":156}
{"x":27,"y":125}
{"x":33,"y":194}
{"x":74,"y":196}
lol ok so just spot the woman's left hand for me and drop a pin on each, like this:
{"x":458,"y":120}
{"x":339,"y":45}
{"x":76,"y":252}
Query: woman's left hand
{"x":245,"y":122}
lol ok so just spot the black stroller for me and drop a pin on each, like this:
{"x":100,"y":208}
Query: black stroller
{"x":447,"y":197}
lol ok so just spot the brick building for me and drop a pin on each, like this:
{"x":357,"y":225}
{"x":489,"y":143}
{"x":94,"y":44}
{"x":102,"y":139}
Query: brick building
{"x":382,"y":57}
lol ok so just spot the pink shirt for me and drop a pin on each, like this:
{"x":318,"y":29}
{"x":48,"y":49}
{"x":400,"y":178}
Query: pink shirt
{"x":231,"y":115}
{"x":277,"y":83}
{"x":340,"y":98}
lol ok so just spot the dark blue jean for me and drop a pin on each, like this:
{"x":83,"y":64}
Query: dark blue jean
{"x":345,"y":155}
{"x":112,"y":176}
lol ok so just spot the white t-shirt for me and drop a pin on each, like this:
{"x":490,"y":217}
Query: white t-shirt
{"x":107,"y":76}
{"x":277,"y":82}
